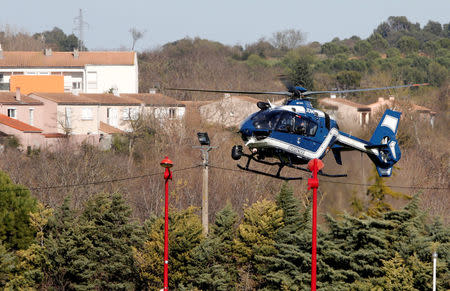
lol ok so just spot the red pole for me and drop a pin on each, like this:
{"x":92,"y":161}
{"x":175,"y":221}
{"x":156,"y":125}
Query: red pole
{"x":314,"y":166}
{"x":166,"y":163}
{"x":166,"y":232}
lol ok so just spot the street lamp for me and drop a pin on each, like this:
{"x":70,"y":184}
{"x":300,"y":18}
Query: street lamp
{"x":205,"y":147}
{"x":166,"y":163}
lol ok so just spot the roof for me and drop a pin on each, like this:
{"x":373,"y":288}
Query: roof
{"x":106,"y":128}
{"x":422,"y":109}
{"x":65,"y":59}
{"x":333,"y":101}
{"x":154,"y":99}
{"x":67,"y":98}
{"x":111,"y":99}
{"x":9,"y":98}
{"x":19,"y":125}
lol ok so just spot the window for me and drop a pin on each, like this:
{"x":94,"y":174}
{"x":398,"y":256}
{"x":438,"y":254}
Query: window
{"x":76,"y":85}
{"x":31,"y":113}
{"x":92,"y":80}
{"x":130,"y":114}
{"x":67,"y":119}
{"x":86,"y":114}
{"x":266,"y":119}
{"x":172,"y":113}
{"x":12,"y":112}
{"x":297,"y":124}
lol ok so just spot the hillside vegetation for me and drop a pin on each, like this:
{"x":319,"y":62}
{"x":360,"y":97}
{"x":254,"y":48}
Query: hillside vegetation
{"x":81,"y":219}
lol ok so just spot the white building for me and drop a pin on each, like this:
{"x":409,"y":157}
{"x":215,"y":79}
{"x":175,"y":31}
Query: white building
{"x":84,"y":72}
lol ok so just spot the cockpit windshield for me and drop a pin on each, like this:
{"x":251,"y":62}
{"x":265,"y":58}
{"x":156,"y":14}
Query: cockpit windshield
{"x":266,"y":119}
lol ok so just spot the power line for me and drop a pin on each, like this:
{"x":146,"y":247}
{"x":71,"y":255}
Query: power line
{"x":347,"y":183}
{"x":41,"y":188}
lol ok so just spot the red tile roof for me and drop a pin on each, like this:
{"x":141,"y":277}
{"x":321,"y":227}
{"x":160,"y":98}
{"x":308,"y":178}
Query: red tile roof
{"x":10,"y":98}
{"x":67,"y":98}
{"x":111,"y":99}
{"x":65,"y":59}
{"x":154,"y":99}
{"x":19,"y":125}
{"x":333,"y":101}
{"x":106,"y":128}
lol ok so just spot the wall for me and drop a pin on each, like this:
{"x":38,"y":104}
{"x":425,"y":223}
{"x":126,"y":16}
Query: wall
{"x":124,"y":78}
{"x":36,"y":83}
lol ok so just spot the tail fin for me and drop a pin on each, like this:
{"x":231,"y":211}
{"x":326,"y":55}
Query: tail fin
{"x":384,"y":145}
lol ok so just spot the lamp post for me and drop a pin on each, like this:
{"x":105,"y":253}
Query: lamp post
{"x":166,"y":163}
{"x":435,"y":255}
{"x":205,"y":147}
{"x":314,"y":166}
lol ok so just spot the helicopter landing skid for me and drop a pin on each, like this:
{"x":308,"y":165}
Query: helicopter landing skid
{"x":280,"y":165}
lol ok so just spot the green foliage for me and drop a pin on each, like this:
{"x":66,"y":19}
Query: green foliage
{"x":437,"y":74}
{"x":362,"y":47}
{"x":94,"y":250}
{"x":57,"y":39}
{"x":256,"y":239}
{"x":332,"y":48}
{"x":378,"y":192}
{"x":213,"y":263}
{"x":348,"y":79}
{"x":408,"y":44}
{"x":185,"y":233}
{"x":16,"y":204}
{"x":300,"y":73}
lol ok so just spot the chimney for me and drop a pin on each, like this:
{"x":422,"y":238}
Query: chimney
{"x":152,"y":90}
{"x":391,"y":98}
{"x":116,"y":92}
{"x":1,"y":52}
{"x":76,"y":53}
{"x":380,"y":99}
{"x":48,"y":52}
{"x":18,"y":97}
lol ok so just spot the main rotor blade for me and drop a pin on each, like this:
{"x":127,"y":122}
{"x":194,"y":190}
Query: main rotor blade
{"x":283,"y":93}
{"x":363,"y":90}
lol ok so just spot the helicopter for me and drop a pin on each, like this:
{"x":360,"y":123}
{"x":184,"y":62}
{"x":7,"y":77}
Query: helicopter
{"x":295,"y":133}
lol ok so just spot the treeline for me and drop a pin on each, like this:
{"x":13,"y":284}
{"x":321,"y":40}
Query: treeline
{"x":102,"y":248}
{"x":14,"y":40}
{"x":397,"y":52}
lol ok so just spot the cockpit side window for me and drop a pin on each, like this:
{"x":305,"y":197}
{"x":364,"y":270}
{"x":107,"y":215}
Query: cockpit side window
{"x":286,"y":122}
{"x":305,"y":126}
{"x":266,"y":119}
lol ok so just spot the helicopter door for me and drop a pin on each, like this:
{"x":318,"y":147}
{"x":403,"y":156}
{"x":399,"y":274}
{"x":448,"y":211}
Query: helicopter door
{"x":297,"y":130}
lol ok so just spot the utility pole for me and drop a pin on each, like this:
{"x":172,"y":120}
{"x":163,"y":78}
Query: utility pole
{"x":205,"y":148}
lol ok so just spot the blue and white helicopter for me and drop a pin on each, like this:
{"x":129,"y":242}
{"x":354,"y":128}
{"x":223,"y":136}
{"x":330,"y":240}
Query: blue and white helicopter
{"x":295,"y":133}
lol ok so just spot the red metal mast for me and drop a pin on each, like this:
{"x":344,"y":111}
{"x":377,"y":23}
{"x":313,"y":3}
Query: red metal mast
{"x":314,"y":166}
{"x":166,"y":163}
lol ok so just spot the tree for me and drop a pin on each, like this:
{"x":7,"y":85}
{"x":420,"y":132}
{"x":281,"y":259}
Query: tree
{"x":407,"y":44}
{"x":101,"y":244}
{"x":348,"y":79}
{"x":378,"y":42}
{"x":433,"y":27}
{"x":332,"y":48}
{"x":213,"y":264}
{"x":300,"y":73}
{"x":378,"y":192}
{"x":362,"y":47}
{"x":256,"y":239}
{"x":16,"y":204}
{"x":287,"y":39}
{"x":136,"y":35}
{"x":185,"y":233}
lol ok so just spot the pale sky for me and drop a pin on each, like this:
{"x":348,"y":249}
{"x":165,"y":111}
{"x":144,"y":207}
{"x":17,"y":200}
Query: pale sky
{"x":227,"y":21}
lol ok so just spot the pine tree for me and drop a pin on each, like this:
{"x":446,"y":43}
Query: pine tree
{"x":185,"y":233}
{"x":15,"y":205}
{"x":8,"y":263}
{"x":94,"y":250}
{"x":213,"y":264}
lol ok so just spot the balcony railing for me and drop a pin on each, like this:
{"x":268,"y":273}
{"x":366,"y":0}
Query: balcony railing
{"x":4,"y":86}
